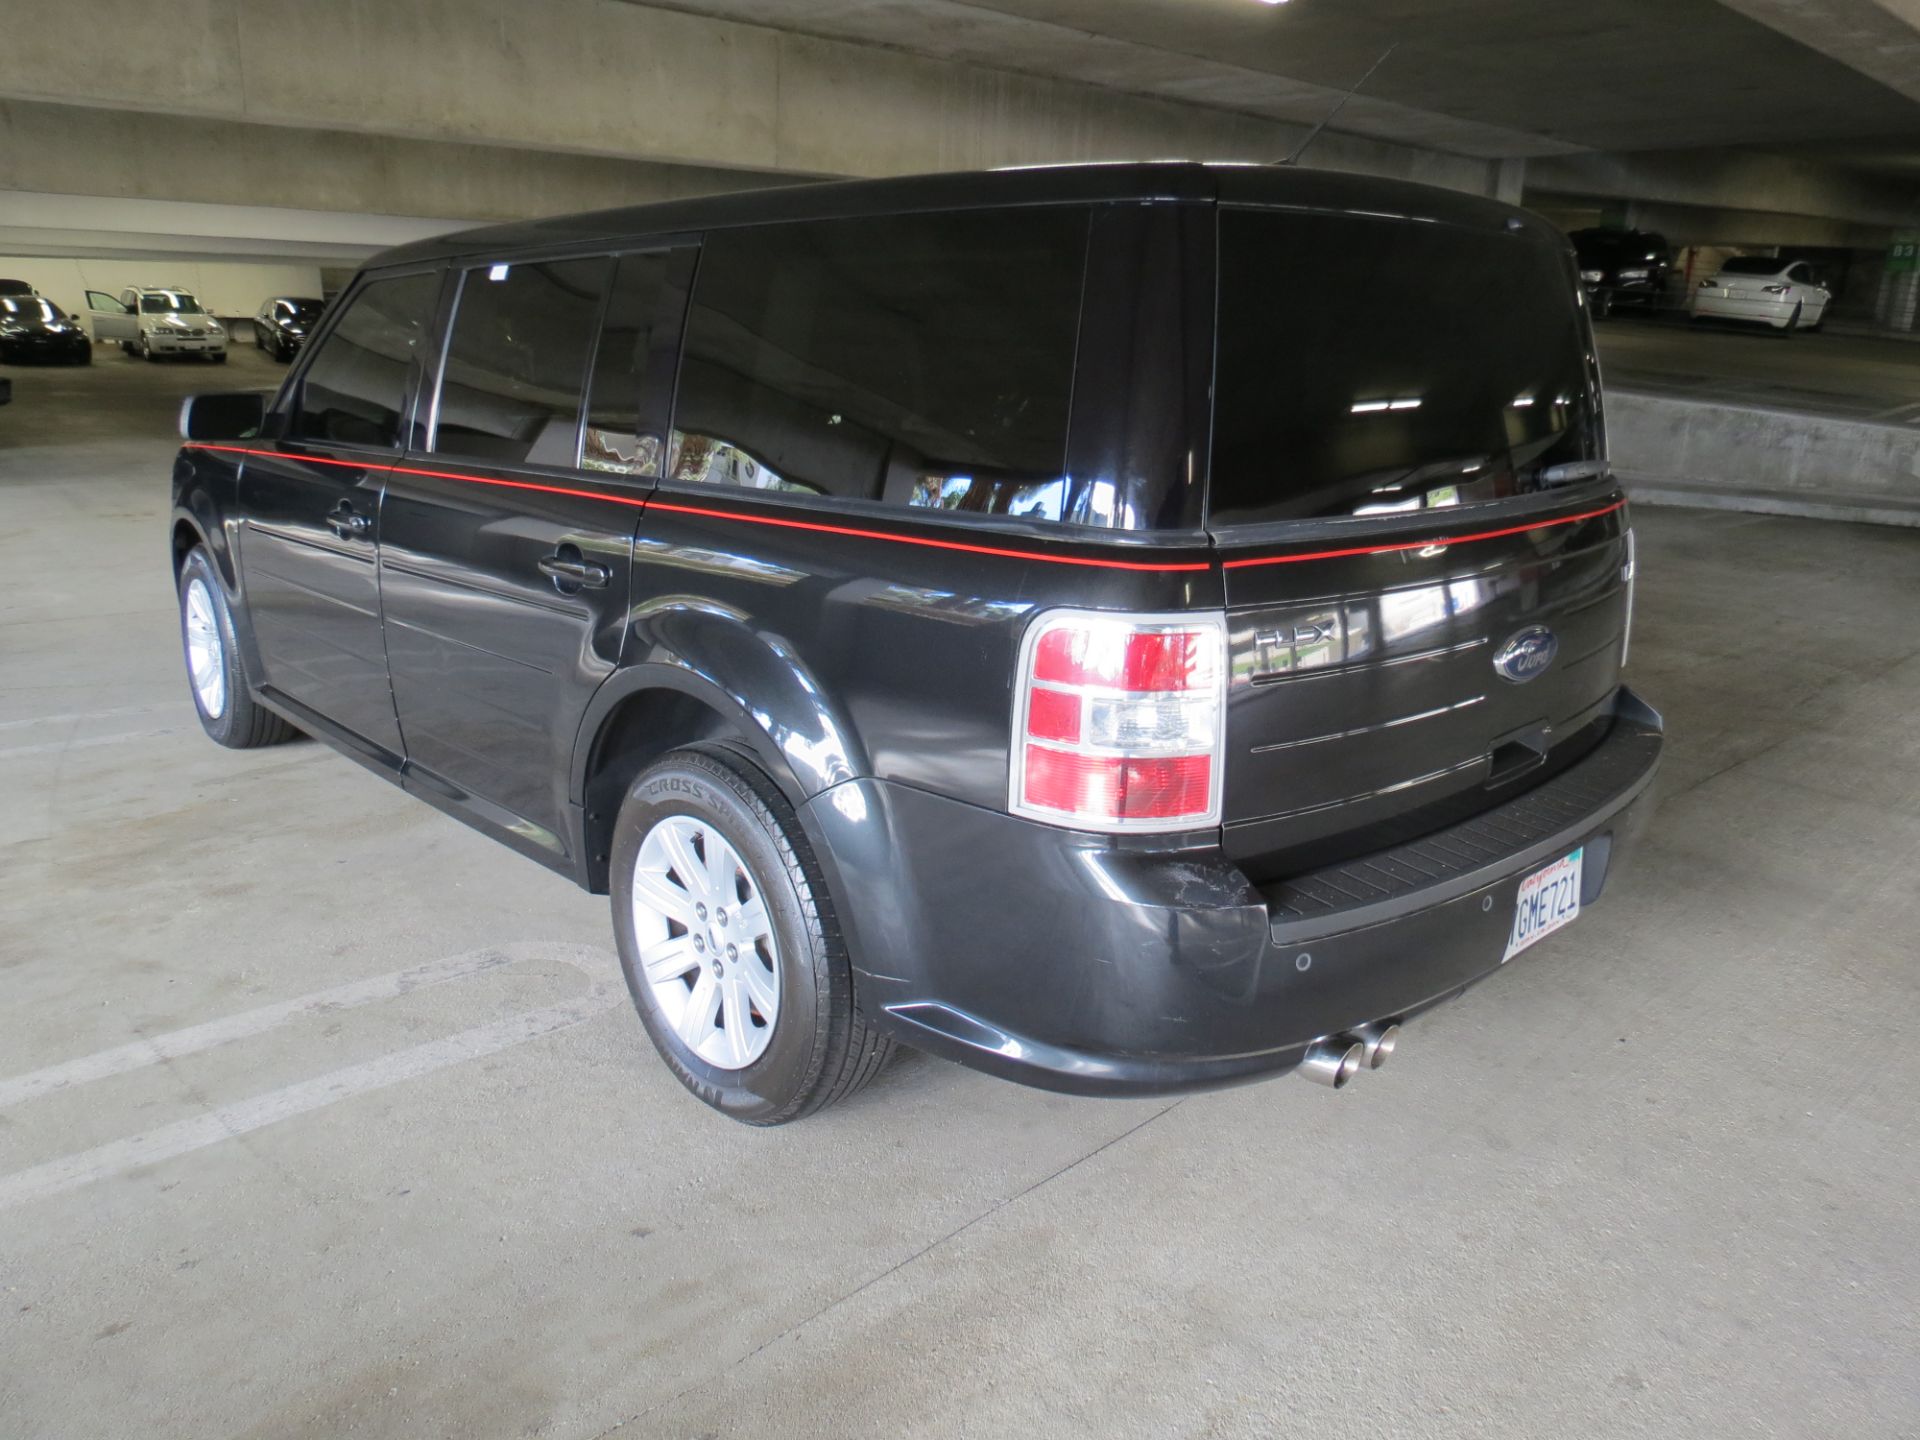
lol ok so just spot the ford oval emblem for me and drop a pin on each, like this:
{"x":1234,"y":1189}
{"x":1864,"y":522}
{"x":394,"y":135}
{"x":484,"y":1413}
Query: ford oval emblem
{"x":1526,"y":654}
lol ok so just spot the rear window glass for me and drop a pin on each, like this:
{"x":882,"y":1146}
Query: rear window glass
{"x":1367,"y":366}
{"x":517,"y":361}
{"x":1753,"y":265}
{"x":356,"y":385}
{"x":922,"y":360}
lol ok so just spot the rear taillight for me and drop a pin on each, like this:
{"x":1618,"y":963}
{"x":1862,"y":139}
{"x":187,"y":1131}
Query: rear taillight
{"x":1119,"y":720}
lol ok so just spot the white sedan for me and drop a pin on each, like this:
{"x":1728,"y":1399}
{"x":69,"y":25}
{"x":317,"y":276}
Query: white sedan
{"x":1764,"y":290}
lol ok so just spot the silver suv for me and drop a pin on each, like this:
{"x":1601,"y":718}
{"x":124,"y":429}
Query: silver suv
{"x":157,"y":320}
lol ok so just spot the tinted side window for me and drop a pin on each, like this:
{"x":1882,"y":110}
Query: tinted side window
{"x":356,"y":385}
{"x":517,"y":361}
{"x":921,"y":360}
{"x":612,"y":441}
{"x":1423,"y":366}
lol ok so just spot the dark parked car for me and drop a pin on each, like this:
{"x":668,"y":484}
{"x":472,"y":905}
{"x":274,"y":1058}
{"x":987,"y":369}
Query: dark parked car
{"x":1000,"y":614}
{"x":35,"y":329}
{"x":1623,"y":267}
{"x":282,"y":324}
{"x":16,"y":287}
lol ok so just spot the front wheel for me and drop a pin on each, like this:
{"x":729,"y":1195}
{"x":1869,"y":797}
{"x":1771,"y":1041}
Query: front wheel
{"x":216,"y":671}
{"x":728,"y":941}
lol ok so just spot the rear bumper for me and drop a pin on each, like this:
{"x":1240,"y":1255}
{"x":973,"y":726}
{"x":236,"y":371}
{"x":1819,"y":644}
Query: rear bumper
{"x":1079,"y":963}
{"x":1728,"y":307}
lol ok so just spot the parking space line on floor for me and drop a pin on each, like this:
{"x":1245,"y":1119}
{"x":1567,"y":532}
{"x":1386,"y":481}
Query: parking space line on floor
{"x":152,"y":1049}
{"x":60,"y":747}
{"x":228,"y":1122}
{"x":68,"y":719}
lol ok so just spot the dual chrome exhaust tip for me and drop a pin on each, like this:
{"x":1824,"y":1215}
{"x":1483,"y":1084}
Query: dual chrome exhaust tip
{"x":1333,"y":1060}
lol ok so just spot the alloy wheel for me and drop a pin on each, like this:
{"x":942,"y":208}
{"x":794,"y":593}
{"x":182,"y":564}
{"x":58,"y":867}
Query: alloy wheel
{"x":206,"y":651}
{"x":707,"y":949}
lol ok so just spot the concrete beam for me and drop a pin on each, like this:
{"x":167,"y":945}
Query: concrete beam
{"x":602,"y":78}
{"x":1878,"y":38}
{"x":73,"y":149}
{"x":1734,"y":180}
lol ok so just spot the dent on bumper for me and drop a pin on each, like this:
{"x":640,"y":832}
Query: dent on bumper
{"x":1085,"y":964}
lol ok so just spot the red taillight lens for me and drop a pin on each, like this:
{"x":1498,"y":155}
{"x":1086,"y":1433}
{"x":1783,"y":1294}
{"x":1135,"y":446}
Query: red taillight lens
{"x":1118,"y":721}
{"x":1116,"y":787}
{"x":1119,"y":660}
{"x":1054,"y":715}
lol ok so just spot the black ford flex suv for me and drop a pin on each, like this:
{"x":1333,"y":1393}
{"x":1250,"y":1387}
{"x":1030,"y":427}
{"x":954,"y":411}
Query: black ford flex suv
{"x":1006,"y":615}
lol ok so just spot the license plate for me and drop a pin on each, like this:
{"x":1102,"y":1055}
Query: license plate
{"x":1549,"y":899}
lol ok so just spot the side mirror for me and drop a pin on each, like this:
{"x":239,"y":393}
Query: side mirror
{"x":226,"y":415}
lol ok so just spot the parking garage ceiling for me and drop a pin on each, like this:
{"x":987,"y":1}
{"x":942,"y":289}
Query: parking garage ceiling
{"x":1494,"y":78}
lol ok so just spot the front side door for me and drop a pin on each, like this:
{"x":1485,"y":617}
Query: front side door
{"x":310,"y":494}
{"x":112,"y":319}
{"x":507,"y":538}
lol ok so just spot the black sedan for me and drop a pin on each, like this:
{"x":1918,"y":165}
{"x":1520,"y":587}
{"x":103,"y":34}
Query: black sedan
{"x":283,"y":323}
{"x":1623,"y":267}
{"x":33,"y":328}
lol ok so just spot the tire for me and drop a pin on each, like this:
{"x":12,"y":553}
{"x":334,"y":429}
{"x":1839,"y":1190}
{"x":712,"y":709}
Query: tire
{"x":146,"y":352}
{"x":1602,"y":304}
{"x":219,"y":359}
{"x":814,"y":1049}
{"x":1793,"y":323}
{"x":227,"y":710}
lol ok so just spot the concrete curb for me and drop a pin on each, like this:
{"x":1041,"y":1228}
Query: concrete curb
{"x":1716,"y":455}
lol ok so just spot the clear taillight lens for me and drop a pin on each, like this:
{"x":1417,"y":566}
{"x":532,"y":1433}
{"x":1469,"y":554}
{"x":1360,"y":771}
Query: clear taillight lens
{"x":1118,"y":720}
{"x":1628,"y":570}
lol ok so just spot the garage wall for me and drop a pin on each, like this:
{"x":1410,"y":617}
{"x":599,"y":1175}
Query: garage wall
{"x":226,"y":288}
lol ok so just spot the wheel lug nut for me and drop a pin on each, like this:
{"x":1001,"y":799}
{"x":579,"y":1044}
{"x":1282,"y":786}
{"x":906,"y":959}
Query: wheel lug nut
{"x":720,"y":916}
{"x":701,"y":911}
{"x":733,"y":952}
{"x":698,"y":943}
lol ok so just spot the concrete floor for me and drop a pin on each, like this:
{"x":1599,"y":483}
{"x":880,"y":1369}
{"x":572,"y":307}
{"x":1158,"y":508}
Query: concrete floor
{"x":1855,"y":377}
{"x":424,"y":1177}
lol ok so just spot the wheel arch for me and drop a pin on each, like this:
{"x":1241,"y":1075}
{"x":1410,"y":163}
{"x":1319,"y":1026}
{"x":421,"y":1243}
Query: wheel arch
{"x":665,"y":702}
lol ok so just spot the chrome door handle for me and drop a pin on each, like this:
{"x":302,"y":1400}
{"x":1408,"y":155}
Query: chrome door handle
{"x":347,"y":525}
{"x":566,"y":571}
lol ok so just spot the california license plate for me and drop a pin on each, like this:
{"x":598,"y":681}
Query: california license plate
{"x":1549,"y":899}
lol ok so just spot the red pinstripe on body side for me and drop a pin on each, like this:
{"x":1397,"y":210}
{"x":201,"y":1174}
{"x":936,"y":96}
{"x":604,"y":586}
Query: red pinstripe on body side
{"x":1441,"y":540}
{"x":819,"y":528}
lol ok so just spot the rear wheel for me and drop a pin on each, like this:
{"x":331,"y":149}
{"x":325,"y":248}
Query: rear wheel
{"x":729,"y":945}
{"x":1793,"y":323}
{"x":216,"y":670}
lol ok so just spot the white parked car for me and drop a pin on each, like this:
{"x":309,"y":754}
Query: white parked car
{"x":1765,"y":290}
{"x":156,"y":320}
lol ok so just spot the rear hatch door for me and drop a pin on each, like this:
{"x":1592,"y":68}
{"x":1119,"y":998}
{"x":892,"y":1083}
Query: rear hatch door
{"x":1425,"y":564}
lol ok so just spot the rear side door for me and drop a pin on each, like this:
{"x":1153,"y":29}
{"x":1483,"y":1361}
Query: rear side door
{"x":112,"y":319}
{"x":310,"y":494}
{"x":507,"y":537}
